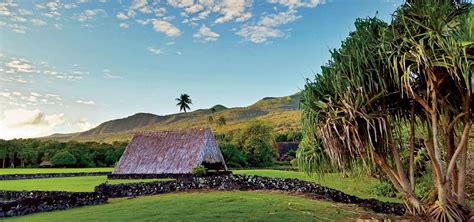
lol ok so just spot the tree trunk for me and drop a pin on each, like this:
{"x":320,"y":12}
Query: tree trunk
{"x":449,"y":140}
{"x":413,"y":204}
{"x":435,"y":152}
{"x":463,"y":162}
{"x":412,"y":148}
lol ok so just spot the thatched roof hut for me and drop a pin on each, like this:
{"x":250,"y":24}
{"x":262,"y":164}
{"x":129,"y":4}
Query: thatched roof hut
{"x":285,"y":147}
{"x":46,"y":164}
{"x":170,"y":152}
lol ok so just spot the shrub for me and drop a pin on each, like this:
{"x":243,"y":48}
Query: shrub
{"x":199,"y":170}
{"x":282,"y":137}
{"x":385,"y":189}
{"x":424,"y":186}
{"x":291,"y":153}
{"x":256,"y":140}
{"x":64,"y":158}
{"x":232,"y":155}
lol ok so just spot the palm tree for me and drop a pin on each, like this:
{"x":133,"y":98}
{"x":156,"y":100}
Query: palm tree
{"x":183,"y":102}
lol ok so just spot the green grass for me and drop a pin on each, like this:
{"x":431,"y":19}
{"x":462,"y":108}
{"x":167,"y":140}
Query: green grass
{"x":52,"y":170}
{"x":213,"y":206}
{"x":72,"y":184}
{"x":361,"y":186}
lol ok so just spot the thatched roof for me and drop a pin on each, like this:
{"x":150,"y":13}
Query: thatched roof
{"x":284,"y":147}
{"x":46,"y":163}
{"x":170,"y":152}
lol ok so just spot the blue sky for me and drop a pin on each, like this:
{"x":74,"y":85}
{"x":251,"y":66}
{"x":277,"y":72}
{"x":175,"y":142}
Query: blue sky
{"x":66,"y":66}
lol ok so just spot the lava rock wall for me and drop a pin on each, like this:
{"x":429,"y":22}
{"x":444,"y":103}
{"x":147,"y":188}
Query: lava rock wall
{"x":17,"y":203}
{"x":244,"y":182}
{"x":48,"y":175}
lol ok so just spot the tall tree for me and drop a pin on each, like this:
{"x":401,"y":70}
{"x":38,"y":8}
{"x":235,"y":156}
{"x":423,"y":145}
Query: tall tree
{"x":183,"y":102}
{"x":417,"y":71}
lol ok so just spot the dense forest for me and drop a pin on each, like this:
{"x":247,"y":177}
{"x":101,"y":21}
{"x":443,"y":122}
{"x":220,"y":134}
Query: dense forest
{"x":31,"y":152}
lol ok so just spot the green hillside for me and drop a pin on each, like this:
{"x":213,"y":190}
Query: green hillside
{"x":282,"y":112}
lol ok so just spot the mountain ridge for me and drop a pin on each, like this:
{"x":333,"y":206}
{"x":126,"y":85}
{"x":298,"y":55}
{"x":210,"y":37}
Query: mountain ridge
{"x":282,"y":112}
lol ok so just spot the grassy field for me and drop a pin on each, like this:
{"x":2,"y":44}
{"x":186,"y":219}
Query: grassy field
{"x":213,"y":206}
{"x":360,"y":187}
{"x":72,"y":184}
{"x":52,"y":170}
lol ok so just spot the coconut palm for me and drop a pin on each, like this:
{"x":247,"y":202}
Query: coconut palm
{"x":417,"y":71}
{"x":183,"y":102}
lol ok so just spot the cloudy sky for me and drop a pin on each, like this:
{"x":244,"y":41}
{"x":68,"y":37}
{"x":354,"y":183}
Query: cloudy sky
{"x":68,"y":65}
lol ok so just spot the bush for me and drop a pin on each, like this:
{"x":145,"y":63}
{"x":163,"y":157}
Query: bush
{"x":385,"y":189}
{"x":291,"y":153}
{"x":256,"y":141}
{"x":64,"y":158}
{"x":199,"y":170}
{"x":424,"y":186}
{"x":232,"y":155}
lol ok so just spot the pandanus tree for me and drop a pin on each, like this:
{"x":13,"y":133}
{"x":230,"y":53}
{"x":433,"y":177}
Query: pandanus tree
{"x":183,"y":102}
{"x":415,"y":72}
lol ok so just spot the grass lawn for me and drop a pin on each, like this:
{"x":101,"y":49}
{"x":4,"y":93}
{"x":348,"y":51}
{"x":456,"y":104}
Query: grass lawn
{"x":73,"y":184}
{"x":207,"y":206}
{"x":361,"y":186}
{"x":51,"y":170}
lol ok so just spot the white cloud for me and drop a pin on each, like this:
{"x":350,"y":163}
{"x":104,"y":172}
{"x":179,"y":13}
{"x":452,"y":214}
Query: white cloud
{"x":6,"y":95}
{"x":38,"y":22}
{"x":181,"y":3}
{"x":165,"y":27}
{"x":297,"y":3}
{"x":233,"y":9}
{"x":20,"y":65}
{"x":206,"y":34}
{"x":89,"y":14}
{"x":18,"y":19}
{"x":18,"y":123}
{"x":5,"y":9}
{"x":23,"y":11}
{"x":281,"y":18}
{"x":267,"y":26}
{"x":70,"y":6}
{"x":194,"y":9}
{"x":123,"y":25}
{"x":108,"y":75}
{"x":137,"y":4}
{"x":122,"y":16}
{"x":35,"y":94}
{"x":258,"y":33}
{"x":53,"y":6}
{"x":85,"y":102}
{"x":155,"y":51}
{"x":83,"y":124}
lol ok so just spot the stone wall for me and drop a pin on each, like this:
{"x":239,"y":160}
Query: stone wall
{"x":243,"y":182}
{"x":16,"y":203}
{"x":48,"y":175}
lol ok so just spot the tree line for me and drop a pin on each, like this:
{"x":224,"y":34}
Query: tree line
{"x":31,"y":152}
{"x":251,"y":146}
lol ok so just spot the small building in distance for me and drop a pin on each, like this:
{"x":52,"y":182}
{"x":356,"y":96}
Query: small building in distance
{"x":46,"y":164}
{"x":283,"y":148}
{"x":171,"y":152}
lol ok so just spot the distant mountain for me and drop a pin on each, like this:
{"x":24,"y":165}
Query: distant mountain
{"x":282,"y":112}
